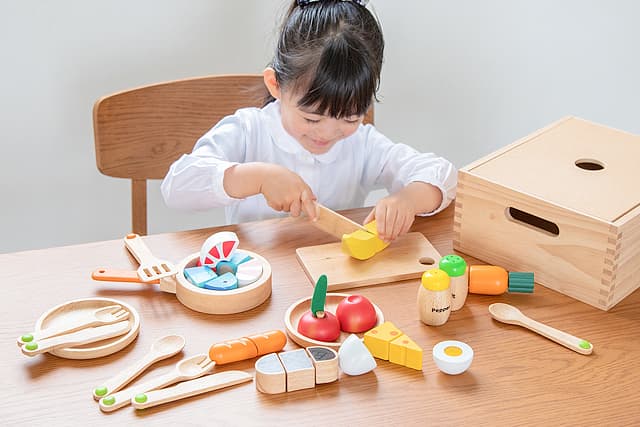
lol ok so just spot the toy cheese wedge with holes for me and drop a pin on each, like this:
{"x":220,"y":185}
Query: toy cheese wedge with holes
{"x":363,"y":244}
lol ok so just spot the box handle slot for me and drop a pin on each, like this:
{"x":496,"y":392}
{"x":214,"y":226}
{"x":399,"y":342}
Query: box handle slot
{"x":539,"y":224}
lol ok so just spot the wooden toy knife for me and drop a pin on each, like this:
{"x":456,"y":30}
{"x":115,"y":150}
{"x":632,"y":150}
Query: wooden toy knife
{"x":335,"y":224}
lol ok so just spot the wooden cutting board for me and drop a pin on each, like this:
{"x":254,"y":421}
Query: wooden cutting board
{"x":406,"y":258}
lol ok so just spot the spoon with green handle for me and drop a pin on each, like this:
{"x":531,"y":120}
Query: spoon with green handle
{"x":161,"y":349}
{"x":509,"y":314}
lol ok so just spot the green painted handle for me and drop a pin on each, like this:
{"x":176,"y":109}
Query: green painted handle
{"x":319,"y":295}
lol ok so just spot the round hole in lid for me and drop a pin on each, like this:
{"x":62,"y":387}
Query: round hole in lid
{"x":589,"y":164}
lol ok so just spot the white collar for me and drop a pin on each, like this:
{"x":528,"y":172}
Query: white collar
{"x":289,"y":144}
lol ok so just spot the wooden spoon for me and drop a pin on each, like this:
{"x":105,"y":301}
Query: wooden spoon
{"x":101,"y":316}
{"x":509,"y":314}
{"x":161,"y":349}
{"x":187,"y":369}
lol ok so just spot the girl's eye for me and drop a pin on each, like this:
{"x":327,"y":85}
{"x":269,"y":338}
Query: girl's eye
{"x":311,"y":120}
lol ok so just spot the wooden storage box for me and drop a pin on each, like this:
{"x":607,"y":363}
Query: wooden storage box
{"x":564,"y":203}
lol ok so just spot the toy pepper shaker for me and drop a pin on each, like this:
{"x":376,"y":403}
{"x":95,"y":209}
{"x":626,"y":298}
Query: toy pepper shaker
{"x":434,"y":297}
{"x":456,"y":267}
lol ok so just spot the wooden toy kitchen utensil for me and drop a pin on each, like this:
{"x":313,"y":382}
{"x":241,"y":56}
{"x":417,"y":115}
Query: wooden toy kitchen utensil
{"x":83,"y":336}
{"x":190,"y":388}
{"x":509,"y":314}
{"x":335,"y":224}
{"x":187,"y":369}
{"x":250,"y":293}
{"x":151,"y":268}
{"x":161,"y":349}
{"x":71,"y":312}
{"x":100,"y":316}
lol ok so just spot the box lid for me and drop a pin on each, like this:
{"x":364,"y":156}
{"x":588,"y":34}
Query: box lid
{"x":583,"y":166}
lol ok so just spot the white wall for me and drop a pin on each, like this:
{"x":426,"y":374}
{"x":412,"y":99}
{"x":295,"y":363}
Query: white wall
{"x":461,"y":78}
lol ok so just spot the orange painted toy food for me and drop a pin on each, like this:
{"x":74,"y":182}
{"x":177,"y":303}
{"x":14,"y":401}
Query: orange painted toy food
{"x":247,"y":347}
{"x":488,"y":280}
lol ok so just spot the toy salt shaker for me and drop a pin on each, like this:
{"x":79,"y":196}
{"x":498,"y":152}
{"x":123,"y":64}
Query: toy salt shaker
{"x":434,"y":297}
{"x":456,"y":267}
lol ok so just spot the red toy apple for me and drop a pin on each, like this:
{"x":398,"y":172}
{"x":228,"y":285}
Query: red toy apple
{"x":319,"y":327}
{"x":318,"y":324}
{"x":356,"y":314}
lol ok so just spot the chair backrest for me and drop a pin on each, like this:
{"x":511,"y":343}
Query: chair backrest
{"x":140,"y":132}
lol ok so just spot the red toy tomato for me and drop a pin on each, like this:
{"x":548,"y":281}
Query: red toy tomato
{"x":356,"y":314}
{"x":325,"y":328}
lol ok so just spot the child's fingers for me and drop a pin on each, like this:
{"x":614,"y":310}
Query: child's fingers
{"x":370,"y":217}
{"x":294,"y":208}
{"x":308,"y":204}
{"x":392,"y":225}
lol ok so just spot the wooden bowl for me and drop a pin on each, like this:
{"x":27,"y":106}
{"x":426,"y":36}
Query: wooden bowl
{"x":223,"y":302}
{"x":297,"y":310}
{"x":67,"y":312}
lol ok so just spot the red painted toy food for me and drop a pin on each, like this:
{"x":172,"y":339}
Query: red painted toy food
{"x":318,"y":324}
{"x":356,"y":314}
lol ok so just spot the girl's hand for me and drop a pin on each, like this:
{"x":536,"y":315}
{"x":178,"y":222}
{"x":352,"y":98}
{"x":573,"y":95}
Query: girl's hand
{"x":395,"y":213}
{"x":286,"y":191}
{"x":394,"y":216}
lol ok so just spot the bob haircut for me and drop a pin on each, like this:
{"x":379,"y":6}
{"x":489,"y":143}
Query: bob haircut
{"x":330,"y":53}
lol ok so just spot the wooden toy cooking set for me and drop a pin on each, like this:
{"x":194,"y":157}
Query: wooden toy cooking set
{"x":562,"y":203}
{"x":220,"y":279}
{"x":352,"y":261}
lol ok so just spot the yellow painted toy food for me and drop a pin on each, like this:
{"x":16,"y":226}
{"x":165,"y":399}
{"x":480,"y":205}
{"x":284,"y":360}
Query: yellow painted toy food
{"x":362,"y":245}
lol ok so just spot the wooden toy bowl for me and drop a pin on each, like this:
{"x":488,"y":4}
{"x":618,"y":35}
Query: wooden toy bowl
{"x":222,"y":302}
{"x":297,"y":310}
{"x":71,"y":310}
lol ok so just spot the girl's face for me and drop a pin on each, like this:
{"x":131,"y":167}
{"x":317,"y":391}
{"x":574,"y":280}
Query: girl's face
{"x":316,"y":132}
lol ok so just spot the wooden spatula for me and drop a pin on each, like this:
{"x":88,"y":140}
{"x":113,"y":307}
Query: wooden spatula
{"x":151,"y":268}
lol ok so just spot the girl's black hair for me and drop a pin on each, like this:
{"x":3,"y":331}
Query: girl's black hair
{"x":330,"y":52}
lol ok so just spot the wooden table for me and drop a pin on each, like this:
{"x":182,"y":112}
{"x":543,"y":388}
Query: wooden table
{"x":517,"y":377}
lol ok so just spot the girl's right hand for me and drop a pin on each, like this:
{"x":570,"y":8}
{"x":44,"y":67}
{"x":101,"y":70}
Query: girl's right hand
{"x":286,"y":191}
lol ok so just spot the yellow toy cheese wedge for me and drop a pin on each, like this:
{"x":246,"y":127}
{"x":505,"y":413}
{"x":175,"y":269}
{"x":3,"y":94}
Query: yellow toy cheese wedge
{"x":363,"y":245}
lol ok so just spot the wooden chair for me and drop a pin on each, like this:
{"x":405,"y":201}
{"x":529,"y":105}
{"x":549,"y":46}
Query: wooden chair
{"x":139,"y":133}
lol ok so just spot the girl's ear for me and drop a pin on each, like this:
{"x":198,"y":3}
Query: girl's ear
{"x":269,"y":75}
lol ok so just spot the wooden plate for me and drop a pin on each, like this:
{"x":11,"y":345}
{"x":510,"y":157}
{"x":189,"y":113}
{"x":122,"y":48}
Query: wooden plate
{"x":71,"y":310}
{"x":298,"y":308}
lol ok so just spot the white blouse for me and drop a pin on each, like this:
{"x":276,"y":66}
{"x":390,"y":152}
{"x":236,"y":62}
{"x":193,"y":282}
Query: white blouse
{"x":341,"y":178}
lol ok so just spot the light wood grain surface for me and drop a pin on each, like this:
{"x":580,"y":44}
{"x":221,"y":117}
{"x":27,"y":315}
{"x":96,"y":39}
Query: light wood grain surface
{"x":517,"y":376}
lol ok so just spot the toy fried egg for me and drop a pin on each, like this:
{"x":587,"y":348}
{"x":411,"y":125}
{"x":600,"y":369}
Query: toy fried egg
{"x":452,"y":357}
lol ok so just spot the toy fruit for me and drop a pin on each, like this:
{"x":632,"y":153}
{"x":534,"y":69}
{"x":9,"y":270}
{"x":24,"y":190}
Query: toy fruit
{"x":356,"y":314}
{"x":318,"y":324}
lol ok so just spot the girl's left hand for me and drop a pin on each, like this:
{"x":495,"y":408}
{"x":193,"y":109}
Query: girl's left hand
{"x":394,"y":216}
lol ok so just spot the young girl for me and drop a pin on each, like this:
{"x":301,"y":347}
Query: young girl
{"x":309,"y":143}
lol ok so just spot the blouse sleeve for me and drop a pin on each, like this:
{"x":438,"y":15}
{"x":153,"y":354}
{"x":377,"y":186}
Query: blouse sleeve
{"x":394,"y":165}
{"x":195,"y":180}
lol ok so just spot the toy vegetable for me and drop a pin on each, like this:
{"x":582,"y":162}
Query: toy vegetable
{"x":494,"y":280}
{"x":318,"y":324}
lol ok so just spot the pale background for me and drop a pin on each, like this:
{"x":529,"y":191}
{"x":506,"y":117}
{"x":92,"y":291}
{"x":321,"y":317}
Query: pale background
{"x":461,"y":78}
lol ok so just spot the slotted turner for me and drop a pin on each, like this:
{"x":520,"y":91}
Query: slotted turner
{"x":151,"y":268}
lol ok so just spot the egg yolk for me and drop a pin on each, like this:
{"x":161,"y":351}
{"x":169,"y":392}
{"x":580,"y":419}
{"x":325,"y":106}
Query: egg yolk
{"x":453,"y":351}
